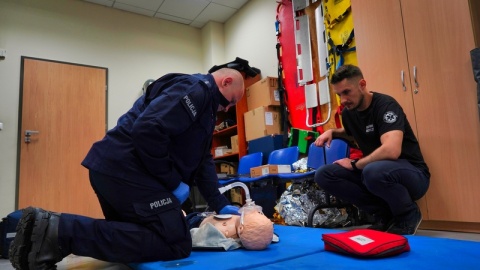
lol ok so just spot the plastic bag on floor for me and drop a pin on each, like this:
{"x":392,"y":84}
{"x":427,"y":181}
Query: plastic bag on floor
{"x":300,"y":198}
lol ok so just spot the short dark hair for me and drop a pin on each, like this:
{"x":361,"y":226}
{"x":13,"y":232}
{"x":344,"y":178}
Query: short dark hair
{"x":346,"y":72}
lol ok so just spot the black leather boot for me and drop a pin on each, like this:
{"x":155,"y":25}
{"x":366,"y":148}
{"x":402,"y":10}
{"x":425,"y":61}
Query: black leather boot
{"x":45,"y":251}
{"x":21,"y":244}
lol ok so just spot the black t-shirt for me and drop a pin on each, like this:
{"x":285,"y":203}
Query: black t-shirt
{"x":383,"y":115}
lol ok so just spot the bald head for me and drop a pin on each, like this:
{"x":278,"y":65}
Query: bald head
{"x":231,"y":85}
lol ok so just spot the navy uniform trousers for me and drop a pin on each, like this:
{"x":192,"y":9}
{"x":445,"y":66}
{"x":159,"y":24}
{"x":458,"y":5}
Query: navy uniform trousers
{"x":387,"y":187}
{"x":143,"y":223}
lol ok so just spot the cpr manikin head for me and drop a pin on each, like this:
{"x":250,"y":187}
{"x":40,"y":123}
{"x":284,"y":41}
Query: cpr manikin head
{"x":255,"y":229}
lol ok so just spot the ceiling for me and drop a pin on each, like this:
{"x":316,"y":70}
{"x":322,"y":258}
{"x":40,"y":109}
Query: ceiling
{"x":195,"y":13}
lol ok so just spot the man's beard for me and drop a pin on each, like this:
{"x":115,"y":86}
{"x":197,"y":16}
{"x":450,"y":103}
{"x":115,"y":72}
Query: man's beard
{"x":360,"y":102}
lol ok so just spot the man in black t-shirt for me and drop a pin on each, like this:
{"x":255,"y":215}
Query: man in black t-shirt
{"x":392,"y":174}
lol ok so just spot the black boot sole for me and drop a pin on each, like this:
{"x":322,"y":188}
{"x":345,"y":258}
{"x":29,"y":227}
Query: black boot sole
{"x":22,"y":244}
{"x":37,"y":239}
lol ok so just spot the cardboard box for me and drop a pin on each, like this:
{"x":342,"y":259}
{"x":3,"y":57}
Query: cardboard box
{"x":234,"y":143}
{"x":226,"y":168}
{"x":270,"y":169}
{"x":222,"y":150}
{"x":261,"y":122}
{"x":263,"y":93}
{"x":236,"y":196}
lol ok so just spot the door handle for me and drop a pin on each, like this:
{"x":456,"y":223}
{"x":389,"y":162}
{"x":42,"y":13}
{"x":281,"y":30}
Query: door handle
{"x":415,"y":79}
{"x":402,"y":77}
{"x":415,"y":75}
{"x":28,"y":134}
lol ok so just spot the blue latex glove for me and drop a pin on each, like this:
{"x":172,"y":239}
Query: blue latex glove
{"x":230,"y":209}
{"x":182,"y":192}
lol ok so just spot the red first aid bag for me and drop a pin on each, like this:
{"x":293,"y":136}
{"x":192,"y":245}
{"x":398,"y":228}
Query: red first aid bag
{"x":366,"y":243}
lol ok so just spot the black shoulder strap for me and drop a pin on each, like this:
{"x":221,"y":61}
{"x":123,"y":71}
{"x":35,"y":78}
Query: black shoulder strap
{"x":285,"y":124}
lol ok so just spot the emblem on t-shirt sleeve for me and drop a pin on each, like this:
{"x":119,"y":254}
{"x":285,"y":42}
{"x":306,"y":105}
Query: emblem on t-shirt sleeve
{"x":390,"y":117}
{"x":188,"y":104}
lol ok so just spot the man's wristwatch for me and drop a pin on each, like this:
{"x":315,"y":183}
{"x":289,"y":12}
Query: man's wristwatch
{"x":353,"y":162}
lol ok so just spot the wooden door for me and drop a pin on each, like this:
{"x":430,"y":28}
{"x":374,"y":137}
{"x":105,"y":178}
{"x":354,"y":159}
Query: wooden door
{"x":381,"y":51}
{"x":66,"y":105}
{"x":439,"y":37}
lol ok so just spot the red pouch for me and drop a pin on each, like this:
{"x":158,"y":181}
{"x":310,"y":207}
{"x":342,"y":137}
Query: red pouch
{"x":366,"y":243}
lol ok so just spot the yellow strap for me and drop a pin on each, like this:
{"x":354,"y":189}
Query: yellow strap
{"x":332,"y":23}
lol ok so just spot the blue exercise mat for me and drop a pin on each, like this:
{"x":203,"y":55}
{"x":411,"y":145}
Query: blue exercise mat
{"x":294,"y":242}
{"x":302,"y":248}
{"x":425,"y":253}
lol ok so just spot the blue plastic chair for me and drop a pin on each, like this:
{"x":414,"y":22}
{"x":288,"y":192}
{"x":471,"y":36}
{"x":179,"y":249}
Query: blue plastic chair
{"x":338,"y":149}
{"x":249,"y":161}
{"x":244,"y":165}
{"x":285,"y":156}
{"x":316,"y":157}
{"x":263,"y":189}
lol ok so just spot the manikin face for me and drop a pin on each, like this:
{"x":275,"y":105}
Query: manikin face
{"x":227,"y":224}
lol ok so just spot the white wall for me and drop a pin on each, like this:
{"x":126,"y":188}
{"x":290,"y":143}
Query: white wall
{"x":250,"y":34}
{"x":213,"y":43}
{"x":134,"y":48}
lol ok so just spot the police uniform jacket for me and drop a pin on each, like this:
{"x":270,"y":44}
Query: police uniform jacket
{"x":166,"y":137}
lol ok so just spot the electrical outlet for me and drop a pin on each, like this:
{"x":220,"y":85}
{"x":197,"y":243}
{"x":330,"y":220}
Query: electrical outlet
{"x":3,"y":53}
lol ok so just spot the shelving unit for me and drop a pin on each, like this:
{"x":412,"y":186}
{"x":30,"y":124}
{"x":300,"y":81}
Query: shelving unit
{"x":223,"y":136}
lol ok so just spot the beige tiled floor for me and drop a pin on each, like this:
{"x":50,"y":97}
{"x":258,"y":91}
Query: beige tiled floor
{"x":73,"y":262}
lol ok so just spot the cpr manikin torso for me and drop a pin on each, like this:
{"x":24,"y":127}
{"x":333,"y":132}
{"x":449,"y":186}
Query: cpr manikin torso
{"x":226,"y":224}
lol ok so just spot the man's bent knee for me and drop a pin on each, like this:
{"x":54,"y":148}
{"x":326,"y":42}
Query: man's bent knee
{"x":161,"y":251}
{"x":323,"y":176}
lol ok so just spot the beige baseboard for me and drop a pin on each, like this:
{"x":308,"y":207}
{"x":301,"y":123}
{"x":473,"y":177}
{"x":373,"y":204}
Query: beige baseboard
{"x":450,"y":226}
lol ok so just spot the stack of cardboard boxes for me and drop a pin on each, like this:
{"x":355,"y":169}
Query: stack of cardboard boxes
{"x":263,"y":116}
{"x":263,"y":120}
{"x":262,"y":123}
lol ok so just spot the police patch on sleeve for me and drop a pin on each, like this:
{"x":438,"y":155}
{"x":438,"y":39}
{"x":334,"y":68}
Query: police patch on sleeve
{"x":390,"y":117}
{"x":187,"y":102}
